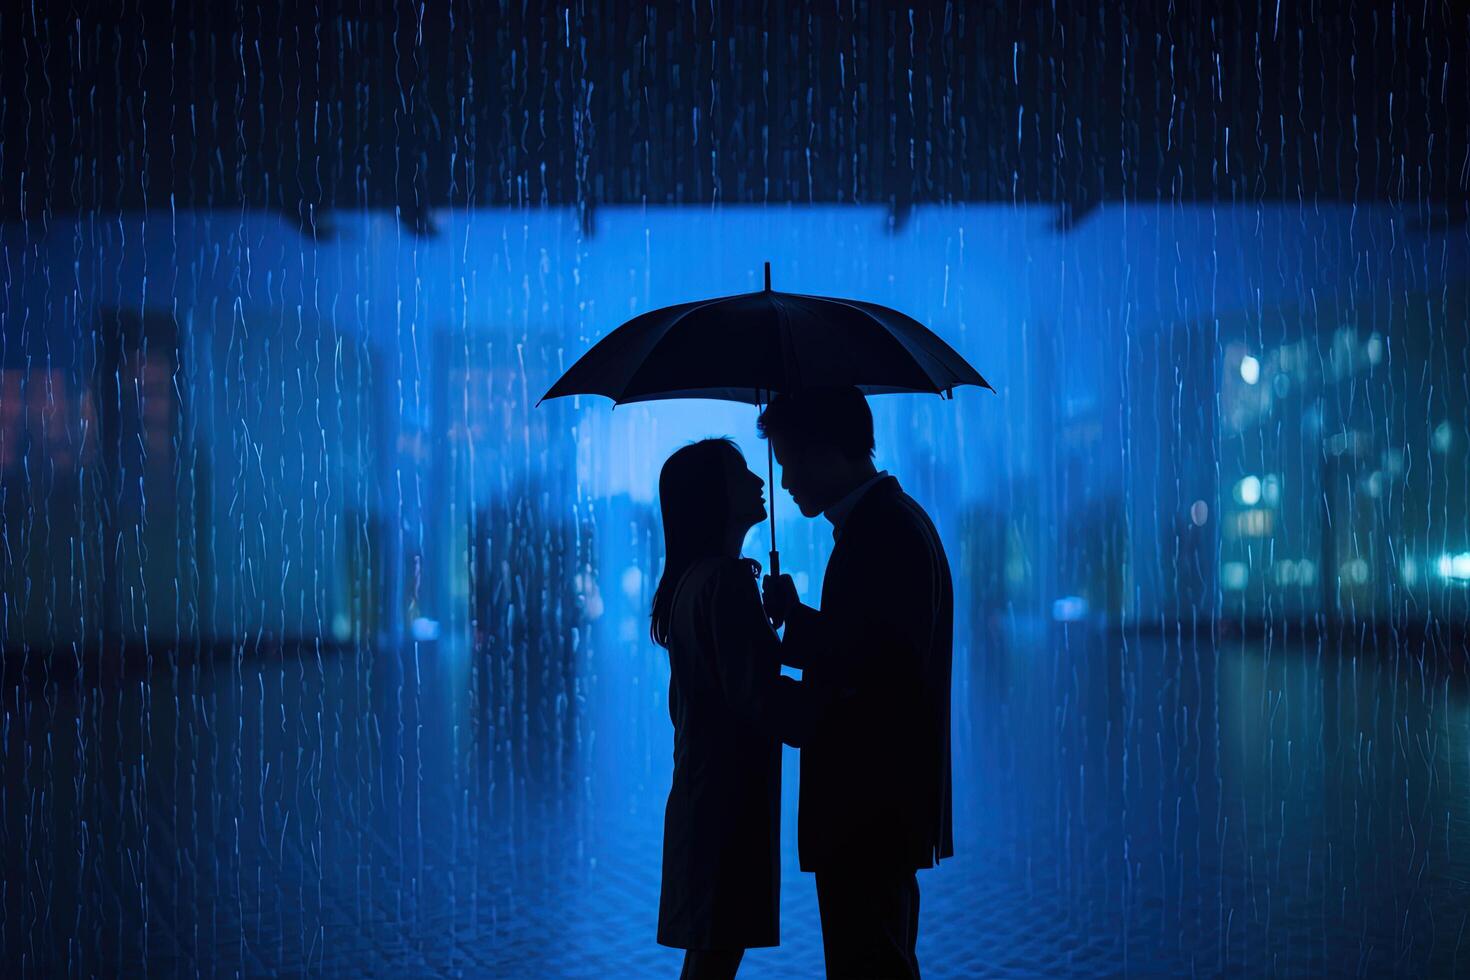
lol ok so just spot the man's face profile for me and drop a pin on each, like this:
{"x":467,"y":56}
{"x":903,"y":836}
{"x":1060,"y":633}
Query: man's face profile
{"x":800,"y":475}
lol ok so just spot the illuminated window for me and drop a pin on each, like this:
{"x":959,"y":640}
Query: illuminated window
{"x":1443,"y":438}
{"x":1253,"y":523}
{"x":1234,"y":575}
{"x":1454,"y":568}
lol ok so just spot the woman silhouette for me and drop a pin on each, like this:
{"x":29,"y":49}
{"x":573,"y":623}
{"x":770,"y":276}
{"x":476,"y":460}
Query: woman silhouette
{"x":731,"y":709}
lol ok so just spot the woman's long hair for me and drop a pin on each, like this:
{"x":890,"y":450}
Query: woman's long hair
{"x":694,"y":499}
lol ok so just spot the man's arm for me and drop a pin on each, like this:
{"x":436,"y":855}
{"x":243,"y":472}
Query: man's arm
{"x":806,"y":633}
{"x":806,"y":638}
{"x":888,"y":623}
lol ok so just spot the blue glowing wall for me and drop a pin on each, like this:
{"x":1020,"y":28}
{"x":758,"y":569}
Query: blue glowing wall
{"x":223,"y":441}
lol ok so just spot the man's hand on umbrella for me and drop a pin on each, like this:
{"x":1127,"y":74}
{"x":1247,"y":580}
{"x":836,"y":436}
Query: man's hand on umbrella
{"x":778,"y":595}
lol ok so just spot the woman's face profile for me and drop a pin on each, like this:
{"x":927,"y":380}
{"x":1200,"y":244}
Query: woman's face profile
{"x":745,"y":491}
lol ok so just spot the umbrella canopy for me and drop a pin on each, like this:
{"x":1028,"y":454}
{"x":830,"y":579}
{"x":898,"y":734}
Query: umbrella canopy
{"x":745,"y":347}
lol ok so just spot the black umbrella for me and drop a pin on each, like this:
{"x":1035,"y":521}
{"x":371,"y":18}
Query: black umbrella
{"x":748,"y":347}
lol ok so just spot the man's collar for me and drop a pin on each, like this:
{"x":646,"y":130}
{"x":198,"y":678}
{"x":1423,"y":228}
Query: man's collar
{"x":839,"y":512}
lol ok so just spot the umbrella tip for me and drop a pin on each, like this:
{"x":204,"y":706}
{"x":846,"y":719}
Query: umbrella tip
{"x":768,"y":277}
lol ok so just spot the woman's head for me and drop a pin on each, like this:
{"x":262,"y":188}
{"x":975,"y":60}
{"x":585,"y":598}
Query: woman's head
{"x":709,"y":499}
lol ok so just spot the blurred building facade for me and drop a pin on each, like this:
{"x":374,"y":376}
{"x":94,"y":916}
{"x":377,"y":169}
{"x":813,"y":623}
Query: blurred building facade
{"x":339,"y":442}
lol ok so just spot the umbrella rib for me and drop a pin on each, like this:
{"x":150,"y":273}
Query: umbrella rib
{"x":909,"y":348}
{"x":896,"y":338}
{"x":584,"y":364}
{"x":668,"y":328}
{"x":790,"y":363}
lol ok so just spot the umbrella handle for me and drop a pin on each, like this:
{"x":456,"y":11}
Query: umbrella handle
{"x":771,"y":493}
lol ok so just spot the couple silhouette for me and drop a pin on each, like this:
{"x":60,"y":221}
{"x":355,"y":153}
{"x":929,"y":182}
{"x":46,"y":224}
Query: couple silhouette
{"x":870,"y":713}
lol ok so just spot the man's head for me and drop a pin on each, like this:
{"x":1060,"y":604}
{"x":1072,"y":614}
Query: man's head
{"x":823,"y":440}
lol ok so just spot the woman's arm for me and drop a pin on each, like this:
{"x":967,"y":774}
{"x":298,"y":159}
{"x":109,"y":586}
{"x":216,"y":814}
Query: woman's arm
{"x":748,"y":663}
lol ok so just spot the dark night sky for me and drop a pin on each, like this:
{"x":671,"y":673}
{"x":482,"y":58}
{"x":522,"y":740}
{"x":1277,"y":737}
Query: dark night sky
{"x":126,"y":106}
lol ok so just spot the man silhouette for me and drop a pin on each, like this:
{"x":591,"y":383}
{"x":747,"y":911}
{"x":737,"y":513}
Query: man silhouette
{"x":875,"y":776}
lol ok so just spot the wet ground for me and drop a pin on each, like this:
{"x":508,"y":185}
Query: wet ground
{"x":1125,"y":804}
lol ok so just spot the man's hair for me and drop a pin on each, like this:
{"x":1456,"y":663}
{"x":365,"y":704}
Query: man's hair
{"x":836,"y":417}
